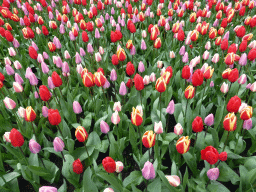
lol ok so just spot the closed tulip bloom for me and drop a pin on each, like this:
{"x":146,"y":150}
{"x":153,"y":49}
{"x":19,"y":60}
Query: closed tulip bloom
{"x":109,"y":164}
{"x":230,"y":122}
{"x":88,"y":80}
{"x":6,"y":137}
{"x":224,"y":88}
{"x":117,"y":106}
{"x":11,"y":52}
{"x":121,"y":55}
{"x":183,"y":144}
{"x":178,"y":129}
{"x":197,"y":78}
{"x":56,"y":79}
{"x":208,"y":72}
{"x":174,"y":180}
{"x":119,"y":166}
{"x":213,"y":173}
{"x":122,"y":89}
{"x":242,"y":79}
{"x":44,"y":93}
{"x":148,"y":139}
{"x":16,"y":138}
{"x":246,"y":113}
{"x":115,"y":118}
{"x":99,"y":79}
{"x":66,"y":55}
{"x":137,"y":116}
{"x":77,"y":166}
{"x":209,"y":120}
{"x":77,"y":107}
{"x":141,"y":67}
{"x":197,"y":124}
{"x":247,"y":124}
{"x":21,"y":112}
{"x":50,"y":83}
{"x":81,"y":134}
{"x":32,"y":52}
{"x":210,"y":154}
{"x":17,"y":87}
{"x":138,"y":82}
{"x":30,"y":114}
{"x":170,"y":108}
{"x":189,"y":92}
{"x":48,"y":189}
{"x":45,"y":111}
{"x":34,"y":147}
{"x":9,"y":103}
{"x":158,"y":127}
{"x":9,"y":70}
{"x":148,"y":171}
{"x":185,"y":72}
{"x":58,"y":144}
{"x":160,"y":85}
{"x":233,"y":104}
{"x":104,"y":127}
{"x":108,"y":190}
{"x":113,"y":75}
{"x":54,"y":116}
{"x":252,"y":87}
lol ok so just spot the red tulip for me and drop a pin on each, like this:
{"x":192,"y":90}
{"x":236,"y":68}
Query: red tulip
{"x":44,"y":93}
{"x":56,"y":79}
{"x":16,"y":138}
{"x":54,"y":117}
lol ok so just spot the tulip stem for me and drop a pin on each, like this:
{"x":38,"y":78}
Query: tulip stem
{"x":23,"y":155}
{"x":63,"y":156}
{"x":149,"y":154}
{"x":87,"y":152}
{"x":207,"y":184}
{"x":140,"y":141}
{"x":60,"y":131}
{"x":185,"y":113}
{"x":41,"y":161}
{"x":225,"y":142}
{"x":60,"y":92}
{"x":203,"y":95}
{"x":33,"y":130}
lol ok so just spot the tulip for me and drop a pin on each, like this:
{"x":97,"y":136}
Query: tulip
{"x":6,"y":137}
{"x":81,"y":134}
{"x":230,"y":122}
{"x":247,"y":124}
{"x":109,"y":164}
{"x":117,"y":106}
{"x":141,"y":67}
{"x":34,"y":146}
{"x":146,"y":80}
{"x":183,"y":144}
{"x":115,"y":118}
{"x":119,"y":166}
{"x":224,"y":88}
{"x":58,"y":144}
{"x":148,"y":139}
{"x":11,"y":52}
{"x":77,"y":166}
{"x":9,"y":103}
{"x":50,"y":83}
{"x":77,"y":107}
{"x":45,"y":111}
{"x":122,"y":89}
{"x":7,"y":61}
{"x":54,"y":116}
{"x":108,"y":190}
{"x":137,"y":116}
{"x":178,"y":130}
{"x":104,"y":127}
{"x":158,"y":127}
{"x":48,"y":189}
{"x":9,"y":70}
{"x":246,"y":113}
{"x":16,"y":138}
{"x":209,"y":120}
{"x":174,"y":180}
{"x":252,"y":87}
{"x":189,"y":92}
{"x":148,"y":171}
{"x":66,"y":55}
{"x":171,"y":107}
{"x":213,"y":173}
{"x":113,"y":75}
{"x":17,"y":87}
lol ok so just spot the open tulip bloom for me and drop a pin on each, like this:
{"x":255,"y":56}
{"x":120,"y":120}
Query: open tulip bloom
{"x":140,"y":94}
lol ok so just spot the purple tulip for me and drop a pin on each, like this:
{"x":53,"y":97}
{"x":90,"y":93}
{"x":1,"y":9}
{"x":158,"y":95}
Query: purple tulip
{"x":122,"y":89}
{"x":77,"y":107}
{"x":113,"y":75}
{"x":65,"y":67}
{"x":182,"y":50}
{"x":133,"y":50}
{"x":34,"y":45}
{"x":45,"y":111}
{"x":9,"y":70}
{"x":143,"y":45}
{"x":247,"y":124}
{"x":141,"y":67}
{"x":78,"y":58}
{"x":58,"y":62}
{"x":243,"y":59}
{"x":62,"y":29}
{"x":9,"y":103}
{"x":97,"y":33}
{"x":209,"y":120}
{"x":34,"y":146}
{"x":18,"y":78}
{"x":104,"y":127}
{"x":15,"y":43}
{"x":148,"y":171}
{"x":213,"y":173}
{"x":32,"y":79}
{"x":46,"y":56}
{"x":56,"y":41}
{"x":226,"y":36}
{"x":212,"y":84}
{"x":48,"y":189}
{"x":58,"y":144}
{"x":50,"y":83}
{"x":106,"y":85}
{"x":185,"y":58}
{"x":45,"y":68}
{"x":71,"y":36}
{"x":82,"y":52}
{"x":171,"y":107}
{"x":90,"y":48}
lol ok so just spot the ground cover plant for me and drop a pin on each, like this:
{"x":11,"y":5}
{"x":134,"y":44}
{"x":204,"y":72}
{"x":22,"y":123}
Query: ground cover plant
{"x":151,"y":95}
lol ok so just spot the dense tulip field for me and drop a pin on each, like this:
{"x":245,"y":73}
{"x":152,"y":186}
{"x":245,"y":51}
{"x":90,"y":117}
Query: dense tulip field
{"x":130,"y":95}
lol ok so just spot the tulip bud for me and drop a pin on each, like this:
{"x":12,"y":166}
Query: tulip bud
{"x":137,"y":116}
{"x":148,"y":139}
{"x":229,"y":122}
{"x":148,"y":171}
{"x":246,"y":113}
{"x":45,"y":111}
{"x":247,"y":124}
{"x":122,"y":89}
{"x":108,"y":190}
{"x":117,"y":106}
{"x":119,"y":166}
{"x":170,"y":108}
{"x":183,"y":144}
{"x":174,"y":180}
{"x":6,"y":137}
{"x":58,"y":144}
{"x":158,"y":127}
{"x":104,"y":127}
{"x":81,"y":134}
{"x":34,"y":146}
{"x":209,"y":120}
{"x":224,"y":88}
{"x":77,"y":107}
{"x":9,"y":103}
{"x":213,"y":173}
{"x":77,"y":166}
{"x":48,"y":189}
{"x":115,"y":118}
{"x":16,"y":138}
{"x":178,"y":130}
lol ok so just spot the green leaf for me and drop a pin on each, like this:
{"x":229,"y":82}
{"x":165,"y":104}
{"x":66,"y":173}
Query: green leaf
{"x":218,"y":116}
{"x":38,"y":170}
{"x":217,"y":186}
{"x":191,"y":162}
{"x":86,"y":122}
{"x":94,"y":140}
{"x":88,"y":184}
{"x":112,"y":180}
{"x":133,"y":141}
{"x":135,"y":177}
{"x":227,"y":174}
{"x":63,"y":187}
{"x":185,"y":179}
{"x":155,"y":186}
{"x":10,"y":176}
